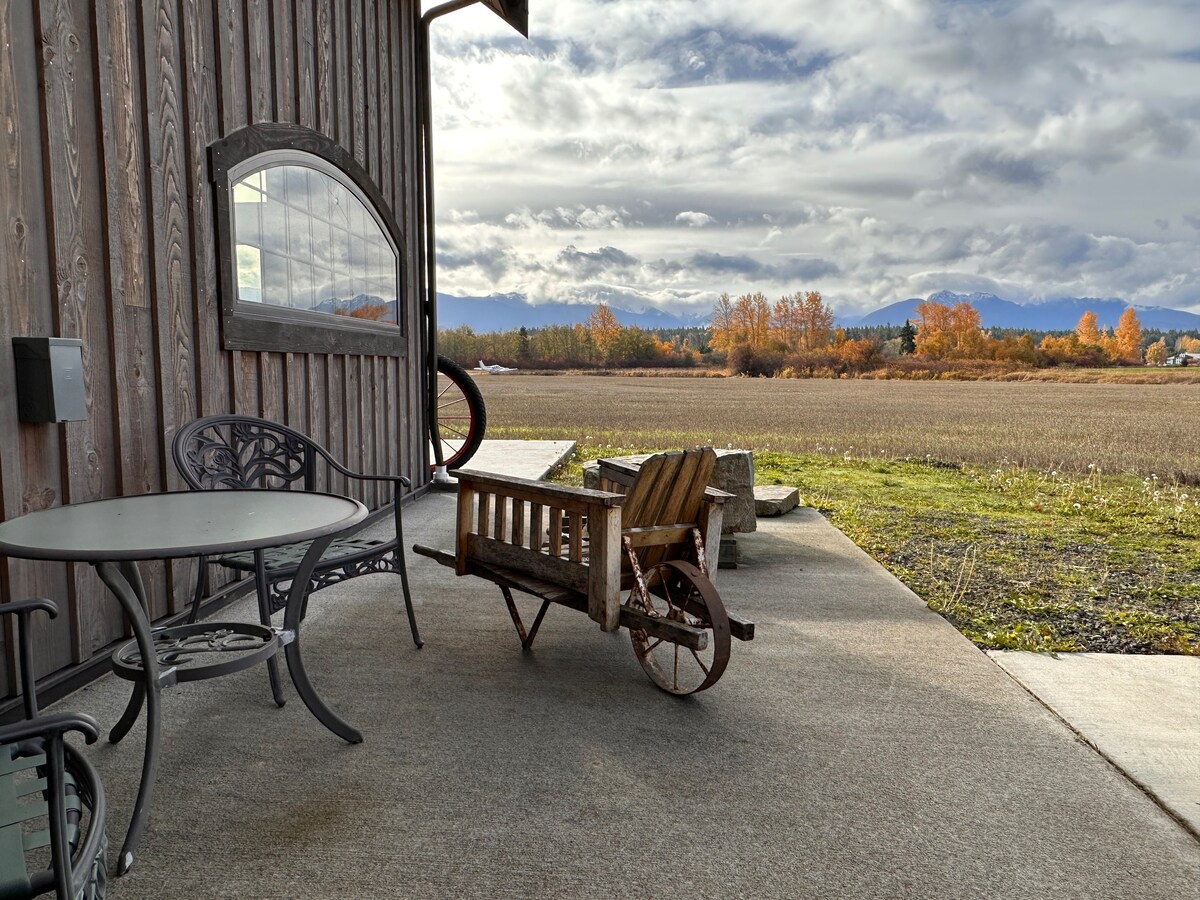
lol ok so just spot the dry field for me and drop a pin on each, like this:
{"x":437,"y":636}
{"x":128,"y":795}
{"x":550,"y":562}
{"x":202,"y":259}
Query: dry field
{"x":1135,"y":428}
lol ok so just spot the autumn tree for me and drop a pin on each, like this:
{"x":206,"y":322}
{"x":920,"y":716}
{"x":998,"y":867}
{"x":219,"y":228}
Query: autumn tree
{"x":604,"y":329}
{"x":1128,"y":336}
{"x":787,"y":321}
{"x":817,"y":321}
{"x":1157,"y":353}
{"x":1088,"y":330}
{"x":935,"y":338}
{"x":723,"y":337}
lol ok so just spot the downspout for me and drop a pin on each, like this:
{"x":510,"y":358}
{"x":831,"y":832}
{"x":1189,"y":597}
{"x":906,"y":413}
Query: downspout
{"x":430,"y":303}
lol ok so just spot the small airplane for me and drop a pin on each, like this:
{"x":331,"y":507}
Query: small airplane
{"x":494,"y":369}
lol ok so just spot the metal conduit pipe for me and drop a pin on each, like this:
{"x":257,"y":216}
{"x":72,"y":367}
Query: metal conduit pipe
{"x":516,"y":12}
{"x":430,"y":304}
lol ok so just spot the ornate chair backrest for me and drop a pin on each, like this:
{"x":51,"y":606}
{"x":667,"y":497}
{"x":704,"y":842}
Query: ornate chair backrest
{"x":241,"y":452}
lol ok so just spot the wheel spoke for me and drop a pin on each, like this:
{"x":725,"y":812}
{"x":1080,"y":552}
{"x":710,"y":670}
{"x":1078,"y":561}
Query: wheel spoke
{"x":452,"y":403}
{"x":646,"y":651}
{"x":442,"y":426}
{"x":700,"y":662}
{"x":676,"y":667}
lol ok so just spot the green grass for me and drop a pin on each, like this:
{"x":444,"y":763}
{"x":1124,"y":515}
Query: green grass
{"x":1014,"y":558}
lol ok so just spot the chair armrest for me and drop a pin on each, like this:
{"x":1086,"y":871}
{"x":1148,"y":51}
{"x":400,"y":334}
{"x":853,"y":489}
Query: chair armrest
{"x":368,"y":476}
{"x":48,"y":726}
{"x":20,"y":606}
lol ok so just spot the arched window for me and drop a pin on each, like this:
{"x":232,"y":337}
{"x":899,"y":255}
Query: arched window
{"x":310,"y":258}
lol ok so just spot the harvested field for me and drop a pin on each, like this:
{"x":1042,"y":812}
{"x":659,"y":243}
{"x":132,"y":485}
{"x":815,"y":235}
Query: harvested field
{"x":1131,"y":428}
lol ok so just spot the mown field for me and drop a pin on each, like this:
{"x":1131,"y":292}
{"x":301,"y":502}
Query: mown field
{"x":1134,"y":428}
{"x":1035,"y":516}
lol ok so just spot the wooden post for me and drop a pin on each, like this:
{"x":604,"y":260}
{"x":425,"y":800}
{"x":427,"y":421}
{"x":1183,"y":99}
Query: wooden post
{"x":710,"y":527}
{"x":466,"y":513}
{"x":604,"y":567}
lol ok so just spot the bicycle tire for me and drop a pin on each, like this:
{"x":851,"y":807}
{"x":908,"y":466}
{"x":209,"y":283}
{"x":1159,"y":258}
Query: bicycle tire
{"x":461,"y":414}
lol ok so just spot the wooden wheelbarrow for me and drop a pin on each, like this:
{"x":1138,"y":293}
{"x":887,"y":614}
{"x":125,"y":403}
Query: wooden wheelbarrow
{"x":636,"y":555}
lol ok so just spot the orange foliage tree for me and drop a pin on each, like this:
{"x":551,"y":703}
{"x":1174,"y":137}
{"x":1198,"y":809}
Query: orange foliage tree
{"x":950,"y":332}
{"x":1128,"y":336}
{"x":604,"y":329}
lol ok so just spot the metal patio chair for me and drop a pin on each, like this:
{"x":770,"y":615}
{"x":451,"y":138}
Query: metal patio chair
{"x":52,"y":805}
{"x":231,"y":452}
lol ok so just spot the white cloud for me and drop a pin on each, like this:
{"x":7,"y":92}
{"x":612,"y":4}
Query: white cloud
{"x":668,"y":151}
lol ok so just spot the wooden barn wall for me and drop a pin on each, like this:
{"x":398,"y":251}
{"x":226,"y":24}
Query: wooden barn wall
{"x":107,"y":108}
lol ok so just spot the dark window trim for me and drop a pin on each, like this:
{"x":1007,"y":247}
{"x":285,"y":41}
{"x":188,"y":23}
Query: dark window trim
{"x":253,"y":326}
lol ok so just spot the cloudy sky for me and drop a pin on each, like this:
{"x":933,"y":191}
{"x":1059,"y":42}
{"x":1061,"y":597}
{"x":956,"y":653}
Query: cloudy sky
{"x":663,"y":151}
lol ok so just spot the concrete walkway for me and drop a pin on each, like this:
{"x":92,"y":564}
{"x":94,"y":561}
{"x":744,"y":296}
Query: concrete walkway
{"x":1141,"y":712}
{"x":859,"y":747}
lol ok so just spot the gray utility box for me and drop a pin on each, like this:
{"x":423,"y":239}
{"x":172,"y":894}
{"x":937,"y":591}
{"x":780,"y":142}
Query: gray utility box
{"x":49,"y":379}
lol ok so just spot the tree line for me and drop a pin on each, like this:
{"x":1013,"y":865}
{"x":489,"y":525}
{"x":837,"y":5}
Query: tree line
{"x":796,"y":335}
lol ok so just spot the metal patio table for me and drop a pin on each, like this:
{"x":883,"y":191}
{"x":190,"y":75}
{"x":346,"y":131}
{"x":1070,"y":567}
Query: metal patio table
{"x":113,"y":535}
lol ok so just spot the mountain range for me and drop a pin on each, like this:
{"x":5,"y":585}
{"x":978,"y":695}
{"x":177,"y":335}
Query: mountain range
{"x":501,"y":312}
{"x":1047,"y":315}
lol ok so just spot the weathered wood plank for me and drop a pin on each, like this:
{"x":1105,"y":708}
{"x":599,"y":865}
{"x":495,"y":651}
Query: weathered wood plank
{"x":483,"y":526}
{"x":200,"y":96}
{"x":357,"y":98}
{"x":270,"y":386}
{"x":324,"y":69}
{"x":517,"y":536}
{"x":335,"y":405}
{"x":232,"y":68}
{"x":306,"y":73}
{"x":259,"y":63}
{"x":318,"y":419}
{"x":342,"y":121}
{"x":370,"y":76}
{"x":295,"y":402}
{"x":493,"y":551}
{"x":554,"y":536}
{"x":384,"y":103}
{"x":569,"y":498}
{"x":24,"y":265}
{"x":78,"y":257}
{"x":500,"y":529}
{"x":351,"y":413}
{"x":245,"y":383}
{"x":283,"y":46}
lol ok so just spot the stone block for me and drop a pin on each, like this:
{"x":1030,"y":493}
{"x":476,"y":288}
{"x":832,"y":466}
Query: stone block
{"x":733,"y":473}
{"x":775,"y":499}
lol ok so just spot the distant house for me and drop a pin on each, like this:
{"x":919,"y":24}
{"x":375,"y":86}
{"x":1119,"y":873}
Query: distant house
{"x":1183,"y":359}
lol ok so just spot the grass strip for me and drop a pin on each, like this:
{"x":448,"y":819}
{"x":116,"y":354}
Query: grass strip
{"x":1016,"y":559}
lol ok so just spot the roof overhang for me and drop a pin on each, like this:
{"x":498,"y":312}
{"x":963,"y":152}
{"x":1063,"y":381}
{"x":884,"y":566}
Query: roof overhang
{"x":514,"y":12}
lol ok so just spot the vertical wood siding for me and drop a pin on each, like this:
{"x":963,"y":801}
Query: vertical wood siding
{"x":107,"y":110}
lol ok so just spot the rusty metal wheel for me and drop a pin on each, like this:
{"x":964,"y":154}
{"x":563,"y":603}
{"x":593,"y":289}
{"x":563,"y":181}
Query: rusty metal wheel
{"x":680,"y":592}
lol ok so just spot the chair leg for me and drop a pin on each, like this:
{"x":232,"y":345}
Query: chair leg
{"x":201,"y":589}
{"x":264,"y":616}
{"x":412,"y":618}
{"x":132,"y":709}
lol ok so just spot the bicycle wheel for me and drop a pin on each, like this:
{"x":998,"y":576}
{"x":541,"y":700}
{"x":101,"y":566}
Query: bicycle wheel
{"x":461,"y":415}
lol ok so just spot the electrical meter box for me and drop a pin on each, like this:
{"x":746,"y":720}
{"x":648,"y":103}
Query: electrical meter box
{"x":49,"y":379}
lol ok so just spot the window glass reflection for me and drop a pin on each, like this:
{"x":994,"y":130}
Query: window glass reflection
{"x":304,"y":240}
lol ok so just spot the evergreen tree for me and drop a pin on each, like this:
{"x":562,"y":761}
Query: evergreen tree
{"x":908,"y":339}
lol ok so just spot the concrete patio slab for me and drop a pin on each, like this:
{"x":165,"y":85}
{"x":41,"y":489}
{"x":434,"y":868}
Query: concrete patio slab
{"x":522,"y":459}
{"x":859,"y":747}
{"x":1142,"y":712}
